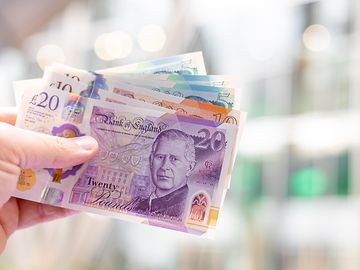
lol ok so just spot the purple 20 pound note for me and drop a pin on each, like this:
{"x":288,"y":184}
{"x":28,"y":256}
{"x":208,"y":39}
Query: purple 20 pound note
{"x":166,"y":170}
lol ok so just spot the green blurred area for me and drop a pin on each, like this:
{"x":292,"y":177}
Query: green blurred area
{"x":308,"y":183}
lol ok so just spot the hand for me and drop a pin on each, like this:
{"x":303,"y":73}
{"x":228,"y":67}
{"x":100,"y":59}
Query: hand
{"x":20,"y":149}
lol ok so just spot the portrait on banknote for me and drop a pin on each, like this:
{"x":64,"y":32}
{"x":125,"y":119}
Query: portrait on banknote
{"x":171,"y":161}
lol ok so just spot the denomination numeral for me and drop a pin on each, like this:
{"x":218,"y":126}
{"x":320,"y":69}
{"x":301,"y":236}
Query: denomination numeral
{"x":228,"y":119}
{"x":45,"y":101}
{"x":64,"y":87}
{"x":213,"y":141}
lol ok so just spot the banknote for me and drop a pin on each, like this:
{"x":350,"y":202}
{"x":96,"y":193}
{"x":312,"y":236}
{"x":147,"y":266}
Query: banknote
{"x":191,"y":63}
{"x":220,"y":96}
{"x":153,"y":167}
{"x":226,"y":84}
{"x":136,"y":96}
{"x":38,"y":84}
{"x":182,"y":105}
{"x":196,"y":94}
{"x":159,"y":101}
{"x":68,"y":79}
{"x":95,"y":81}
{"x":210,"y":80}
{"x":184,"y":64}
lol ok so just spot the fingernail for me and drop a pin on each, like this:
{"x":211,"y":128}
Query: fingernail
{"x":86,"y":142}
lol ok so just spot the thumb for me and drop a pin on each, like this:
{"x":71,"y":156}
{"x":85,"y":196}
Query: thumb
{"x":27,"y":149}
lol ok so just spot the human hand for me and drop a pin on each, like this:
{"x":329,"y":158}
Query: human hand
{"x":20,"y":149}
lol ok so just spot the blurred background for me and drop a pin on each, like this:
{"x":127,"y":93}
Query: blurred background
{"x":294,"y":199}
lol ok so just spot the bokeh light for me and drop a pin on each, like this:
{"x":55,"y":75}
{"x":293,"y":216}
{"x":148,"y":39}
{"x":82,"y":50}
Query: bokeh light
{"x":151,"y":38}
{"x":115,"y":45}
{"x":316,"y":38}
{"x":49,"y":54}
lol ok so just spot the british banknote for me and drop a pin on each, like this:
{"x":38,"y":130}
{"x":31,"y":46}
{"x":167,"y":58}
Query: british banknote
{"x":191,"y":63}
{"x":31,"y":85}
{"x":220,"y":96}
{"x":133,"y":95}
{"x":153,"y":167}
{"x":95,"y":81}
{"x":191,"y":107}
{"x":138,"y":96}
{"x":183,"y":64}
{"x":210,"y":80}
{"x":174,"y":84}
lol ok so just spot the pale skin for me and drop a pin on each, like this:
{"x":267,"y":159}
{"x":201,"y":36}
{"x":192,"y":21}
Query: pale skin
{"x":169,"y":166}
{"x":20,"y":149}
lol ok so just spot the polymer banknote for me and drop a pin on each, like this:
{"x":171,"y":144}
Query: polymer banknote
{"x":31,"y":85}
{"x":182,"y":105}
{"x":95,"y":81}
{"x":183,"y":64}
{"x":189,"y":64}
{"x":136,"y":96}
{"x":153,"y":167}
{"x":220,"y":96}
{"x":210,"y":80}
{"x":186,"y":106}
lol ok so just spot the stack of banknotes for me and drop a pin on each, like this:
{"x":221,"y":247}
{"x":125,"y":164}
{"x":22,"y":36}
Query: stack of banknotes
{"x":168,"y":136}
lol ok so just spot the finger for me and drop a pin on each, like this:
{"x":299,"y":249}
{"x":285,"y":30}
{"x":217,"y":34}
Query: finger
{"x":29,"y":149}
{"x":9,"y":175}
{"x":31,"y":213}
{"x":8,"y":115}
